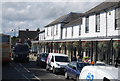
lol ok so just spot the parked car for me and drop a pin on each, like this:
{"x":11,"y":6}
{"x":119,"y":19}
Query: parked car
{"x":41,"y":59}
{"x":73,"y":69}
{"x":21,"y":52}
{"x":56,"y":62}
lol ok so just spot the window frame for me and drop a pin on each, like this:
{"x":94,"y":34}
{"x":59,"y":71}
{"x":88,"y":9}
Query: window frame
{"x":56,"y":29}
{"x":97,"y":29}
{"x":66,"y":32}
{"x":72,"y":31}
{"x":47,"y":31}
{"x":87,"y":24}
{"x":79,"y":30}
{"x":117,"y":28}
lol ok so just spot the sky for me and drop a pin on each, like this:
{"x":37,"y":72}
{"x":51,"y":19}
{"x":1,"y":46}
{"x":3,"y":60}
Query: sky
{"x":36,"y":14}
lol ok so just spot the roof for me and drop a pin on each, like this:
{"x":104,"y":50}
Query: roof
{"x":65,"y":19}
{"x":24,"y":34}
{"x":42,"y":31}
{"x":103,"y":6}
{"x":74,"y":23}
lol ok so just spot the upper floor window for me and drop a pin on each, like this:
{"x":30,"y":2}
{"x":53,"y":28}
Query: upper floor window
{"x":117,"y":18}
{"x":66,"y":33}
{"x":56,"y":29}
{"x":87,"y":25}
{"x":79,"y":30}
{"x":72,"y":32}
{"x":47,"y":31}
{"x":51,"y":31}
{"x":98,"y":23}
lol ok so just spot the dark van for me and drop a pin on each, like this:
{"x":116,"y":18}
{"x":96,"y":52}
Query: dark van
{"x":21,"y":52}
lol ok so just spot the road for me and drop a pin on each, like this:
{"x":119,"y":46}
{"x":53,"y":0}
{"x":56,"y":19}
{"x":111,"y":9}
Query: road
{"x":16,"y":71}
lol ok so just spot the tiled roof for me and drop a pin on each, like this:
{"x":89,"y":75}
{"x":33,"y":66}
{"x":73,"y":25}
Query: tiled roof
{"x":102,"y":6}
{"x":74,"y":23}
{"x":65,"y":19}
{"x":27,"y":34}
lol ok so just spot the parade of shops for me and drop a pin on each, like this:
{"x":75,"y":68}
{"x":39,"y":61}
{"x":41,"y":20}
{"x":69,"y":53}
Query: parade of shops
{"x":94,"y":33}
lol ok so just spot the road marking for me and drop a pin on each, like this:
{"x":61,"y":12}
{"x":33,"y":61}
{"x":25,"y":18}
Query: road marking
{"x":24,"y":67}
{"x":16,"y":69}
{"x":25,"y":77}
{"x":36,"y":77}
{"x":20,"y":64}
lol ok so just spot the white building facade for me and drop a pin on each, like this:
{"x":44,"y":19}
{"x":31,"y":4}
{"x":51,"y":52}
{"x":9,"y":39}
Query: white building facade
{"x":99,"y":26}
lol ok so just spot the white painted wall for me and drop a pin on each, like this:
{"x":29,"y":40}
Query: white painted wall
{"x":76,"y":31}
{"x":92,"y":25}
{"x":57,"y":36}
{"x":42,"y":36}
{"x":111,"y":24}
{"x":49,"y":36}
{"x":53,"y":35}
{"x":69,"y":32}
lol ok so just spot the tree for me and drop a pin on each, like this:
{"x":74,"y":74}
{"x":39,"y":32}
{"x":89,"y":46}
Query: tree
{"x":103,"y":46}
{"x":116,"y":46}
{"x":86,"y":45}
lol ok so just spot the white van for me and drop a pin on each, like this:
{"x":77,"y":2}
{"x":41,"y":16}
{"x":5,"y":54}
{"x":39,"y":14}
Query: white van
{"x":56,"y":62}
{"x":102,"y":73}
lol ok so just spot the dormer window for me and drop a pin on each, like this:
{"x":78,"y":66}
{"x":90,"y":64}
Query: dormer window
{"x":117,"y":18}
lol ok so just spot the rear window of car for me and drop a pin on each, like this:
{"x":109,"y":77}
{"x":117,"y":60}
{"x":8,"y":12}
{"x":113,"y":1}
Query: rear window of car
{"x":45,"y":55}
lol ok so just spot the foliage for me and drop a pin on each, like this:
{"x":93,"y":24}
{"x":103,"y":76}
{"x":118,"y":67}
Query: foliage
{"x":69,"y":45}
{"x":103,"y":46}
{"x":116,"y":45}
{"x":76,"y":44}
{"x":62,"y":44}
{"x":86,"y":45}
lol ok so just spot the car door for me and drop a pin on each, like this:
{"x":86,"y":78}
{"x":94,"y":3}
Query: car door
{"x":69,"y":69}
{"x":74,"y":70}
{"x":52,"y":62}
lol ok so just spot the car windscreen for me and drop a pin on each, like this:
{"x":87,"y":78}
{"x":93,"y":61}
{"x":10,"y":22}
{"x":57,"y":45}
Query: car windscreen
{"x":61,"y":59}
{"x":21,"y":48}
{"x":81,"y":65}
{"x":44,"y":55}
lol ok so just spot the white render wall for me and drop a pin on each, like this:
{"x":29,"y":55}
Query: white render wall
{"x":42,"y":36}
{"x":92,"y":26}
{"x":69,"y":32}
{"x":111,"y":24}
{"x":53,"y":35}
{"x":107,"y":28}
{"x":57,"y":36}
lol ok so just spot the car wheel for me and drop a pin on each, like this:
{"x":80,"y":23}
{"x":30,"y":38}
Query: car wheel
{"x":77,"y":78}
{"x":66,"y":75}
{"x":54,"y":70}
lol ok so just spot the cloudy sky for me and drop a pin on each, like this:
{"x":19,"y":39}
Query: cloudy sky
{"x":33,"y":15}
